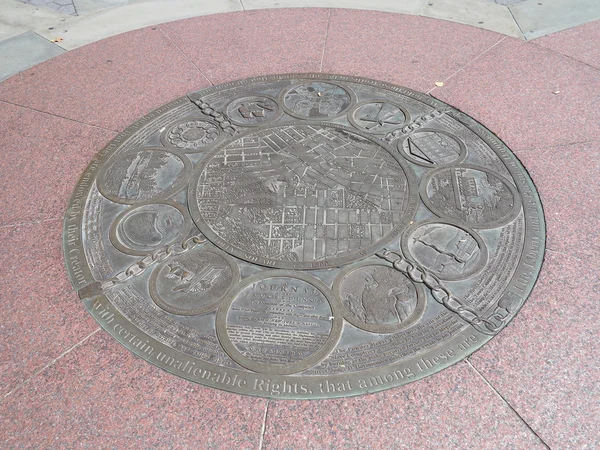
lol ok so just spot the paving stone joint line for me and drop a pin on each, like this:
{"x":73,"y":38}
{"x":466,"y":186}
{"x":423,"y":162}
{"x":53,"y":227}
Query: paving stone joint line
{"x":185,"y":55}
{"x":47,"y":366}
{"x":572,"y":58}
{"x":18,"y":105}
{"x":263,"y":429}
{"x":468,"y":64}
{"x":325,"y":41}
{"x":506,"y":402}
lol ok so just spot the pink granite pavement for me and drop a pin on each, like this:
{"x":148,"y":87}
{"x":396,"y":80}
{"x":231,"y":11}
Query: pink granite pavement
{"x":66,"y":384}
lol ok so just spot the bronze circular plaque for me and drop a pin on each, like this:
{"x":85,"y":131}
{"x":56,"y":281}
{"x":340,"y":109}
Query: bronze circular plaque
{"x":304,"y":236}
{"x":378,"y":298}
{"x":143,"y":174}
{"x":191,"y":135}
{"x":279,"y":322}
{"x":146,"y":227}
{"x":253,"y":111}
{"x":378,"y":117}
{"x":193,"y":282}
{"x":432,"y":147}
{"x":447,"y":249}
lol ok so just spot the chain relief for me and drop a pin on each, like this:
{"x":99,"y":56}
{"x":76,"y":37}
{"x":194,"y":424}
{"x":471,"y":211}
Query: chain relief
{"x":220,"y":118}
{"x":491,"y":325}
{"x":139,"y":267}
{"x":415,"y":124}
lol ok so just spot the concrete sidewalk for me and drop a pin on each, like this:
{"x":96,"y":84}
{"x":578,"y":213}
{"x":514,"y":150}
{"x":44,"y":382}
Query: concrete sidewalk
{"x":33,"y":31}
{"x":67,"y":384}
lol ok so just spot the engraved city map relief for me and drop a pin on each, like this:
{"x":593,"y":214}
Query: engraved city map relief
{"x":304,"y":236}
{"x":301,"y":196}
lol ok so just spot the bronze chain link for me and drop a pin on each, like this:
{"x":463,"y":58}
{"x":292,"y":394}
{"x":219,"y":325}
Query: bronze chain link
{"x":220,"y":118}
{"x":442,"y":294}
{"x":415,"y":124}
{"x":138,"y":267}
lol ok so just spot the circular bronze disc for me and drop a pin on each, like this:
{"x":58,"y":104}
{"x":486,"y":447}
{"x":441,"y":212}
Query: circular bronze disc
{"x":194,"y":282}
{"x":146,"y":227}
{"x":431,"y":147}
{"x":378,"y":116}
{"x":378,"y":298}
{"x":144,"y":174}
{"x":191,"y":135}
{"x":279,"y":307}
{"x":446,"y":248}
{"x":304,"y":236}
{"x":253,"y":111}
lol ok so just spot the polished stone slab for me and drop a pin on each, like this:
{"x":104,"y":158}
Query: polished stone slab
{"x":40,"y":317}
{"x":295,"y":43}
{"x":411,"y":51}
{"x":45,"y":190}
{"x":576,"y":42}
{"x":454,"y":410}
{"x":101,"y":397}
{"x":536,"y":95}
{"x":545,"y":363}
{"x":130,"y":75}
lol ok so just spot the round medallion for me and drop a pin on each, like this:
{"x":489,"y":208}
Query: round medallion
{"x":147,"y":227}
{"x":253,"y":111}
{"x":448,"y":249}
{"x":472,"y":195}
{"x":302,"y":196}
{"x":378,"y":117}
{"x":379,"y":299}
{"x":317,"y":100}
{"x":143,"y":175}
{"x":194,"y":282}
{"x":191,"y":135}
{"x":432,"y":148}
{"x":304,"y":236}
{"x":279,"y":322}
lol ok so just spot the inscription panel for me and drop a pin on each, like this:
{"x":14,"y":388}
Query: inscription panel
{"x":304,"y":236}
{"x":279,"y":323}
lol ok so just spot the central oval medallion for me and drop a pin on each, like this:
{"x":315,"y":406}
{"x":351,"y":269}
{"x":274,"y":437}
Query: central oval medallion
{"x":301,"y":196}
